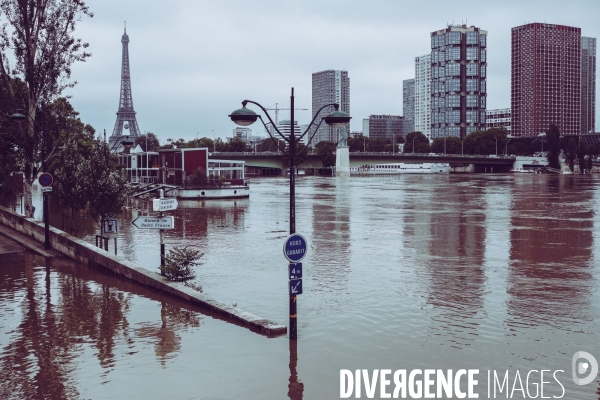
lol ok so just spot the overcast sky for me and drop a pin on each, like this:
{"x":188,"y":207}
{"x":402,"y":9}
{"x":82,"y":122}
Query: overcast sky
{"x":193,"y":62}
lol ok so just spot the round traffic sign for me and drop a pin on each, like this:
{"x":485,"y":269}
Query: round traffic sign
{"x":45,"y":179}
{"x":294,"y":248}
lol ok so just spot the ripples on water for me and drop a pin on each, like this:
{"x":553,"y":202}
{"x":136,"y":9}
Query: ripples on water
{"x":457,"y":271}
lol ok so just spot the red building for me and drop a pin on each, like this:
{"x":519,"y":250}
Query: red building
{"x":546,"y":79}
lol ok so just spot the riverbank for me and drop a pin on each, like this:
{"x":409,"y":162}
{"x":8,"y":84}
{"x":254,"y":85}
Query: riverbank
{"x":29,"y":231}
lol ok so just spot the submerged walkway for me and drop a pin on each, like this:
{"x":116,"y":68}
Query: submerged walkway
{"x":88,"y":254}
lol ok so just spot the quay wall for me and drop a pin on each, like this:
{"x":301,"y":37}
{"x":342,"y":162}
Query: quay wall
{"x":88,"y":254}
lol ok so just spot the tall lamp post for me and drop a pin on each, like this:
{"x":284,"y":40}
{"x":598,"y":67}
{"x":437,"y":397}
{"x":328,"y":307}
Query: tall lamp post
{"x":244,"y":117}
{"x":20,"y":116}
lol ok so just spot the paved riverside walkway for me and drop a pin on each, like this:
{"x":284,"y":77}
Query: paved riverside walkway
{"x":77,"y":249}
{"x":12,"y":241}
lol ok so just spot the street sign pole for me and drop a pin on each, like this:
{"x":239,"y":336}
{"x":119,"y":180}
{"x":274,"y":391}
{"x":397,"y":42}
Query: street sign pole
{"x":294,"y":249}
{"x":162,"y":236}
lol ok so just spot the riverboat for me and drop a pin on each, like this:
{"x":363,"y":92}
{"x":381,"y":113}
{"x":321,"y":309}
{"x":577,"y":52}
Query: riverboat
{"x":400,"y":168}
{"x":188,"y":172}
{"x":522,"y":171}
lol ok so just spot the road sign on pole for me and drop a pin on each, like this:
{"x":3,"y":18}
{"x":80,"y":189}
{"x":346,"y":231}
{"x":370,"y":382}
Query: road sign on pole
{"x":295,"y":270}
{"x":46,"y":189}
{"x":154,"y":222}
{"x":111,"y":226}
{"x":294,"y":248}
{"x":164,"y":204}
{"x":45,"y":179}
{"x":295,"y":287}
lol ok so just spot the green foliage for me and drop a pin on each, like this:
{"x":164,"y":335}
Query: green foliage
{"x":453,"y":145}
{"x":151,"y":139}
{"x":377,"y":145}
{"x":357,"y":144}
{"x":179,"y":264}
{"x":553,"y":140}
{"x":104,"y":184}
{"x":270,"y":145}
{"x":327,"y":152}
{"x":488,"y":142}
{"x":38,"y":37}
{"x":421,"y":143}
{"x":571,"y":153}
{"x":236,"y":145}
{"x":301,"y":154}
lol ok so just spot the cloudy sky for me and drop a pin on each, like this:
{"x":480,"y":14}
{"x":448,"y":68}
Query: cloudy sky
{"x":193,"y":62}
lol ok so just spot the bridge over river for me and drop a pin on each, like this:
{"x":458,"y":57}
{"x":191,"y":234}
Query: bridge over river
{"x":271,"y":163}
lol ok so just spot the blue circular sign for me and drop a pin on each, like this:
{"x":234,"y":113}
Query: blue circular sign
{"x":294,"y":248}
{"x":45,"y":179}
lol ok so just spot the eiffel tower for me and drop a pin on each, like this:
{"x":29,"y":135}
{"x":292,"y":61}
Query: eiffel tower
{"x":126,"y":114}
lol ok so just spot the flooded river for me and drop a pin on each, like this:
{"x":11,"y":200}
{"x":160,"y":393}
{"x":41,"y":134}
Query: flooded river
{"x":490,"y":272}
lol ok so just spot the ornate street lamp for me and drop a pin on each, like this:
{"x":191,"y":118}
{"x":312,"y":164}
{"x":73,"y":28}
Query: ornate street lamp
{"x":245,"y":116}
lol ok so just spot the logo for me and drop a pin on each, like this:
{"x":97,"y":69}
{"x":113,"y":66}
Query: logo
{"x":581,"y":367}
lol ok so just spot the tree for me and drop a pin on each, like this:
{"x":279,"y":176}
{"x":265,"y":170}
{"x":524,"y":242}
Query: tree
{"x":553,"y":140}
{"x":582,"y":150}
{"x":179,"y":263}
{"x":38,"y":35}
{"x":571,"y":153}
{"x":150,"y":139}
{"x":105,"y":184}
{"x":376,"y":145}
{"x":421,"y":143}
{"x":299,"y":158}
{"x":236,"y":145}
{"x":357,"y":144}
{"x":326,"y":150}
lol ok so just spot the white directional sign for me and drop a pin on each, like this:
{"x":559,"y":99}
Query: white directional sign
{"x":154,"y":222}
{"x":164,"y":204}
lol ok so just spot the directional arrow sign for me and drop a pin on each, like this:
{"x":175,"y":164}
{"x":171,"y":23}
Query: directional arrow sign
{"x":164,"y":204}
{"x":154,"y":222}
{"x":295,"y":287}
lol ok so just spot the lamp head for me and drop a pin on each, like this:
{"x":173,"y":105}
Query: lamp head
{"x":243,"y":116}
{"x":18,"y":116}
{"x":337,"y":119}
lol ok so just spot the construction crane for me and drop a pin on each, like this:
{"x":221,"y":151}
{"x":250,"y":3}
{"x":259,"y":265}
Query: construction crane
{"x":277,"y":109}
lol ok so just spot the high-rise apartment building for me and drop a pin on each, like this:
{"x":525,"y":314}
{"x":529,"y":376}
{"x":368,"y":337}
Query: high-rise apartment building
{"x":545,"y":79}
{"x":458,"y":81}
{"x":588,"y":85}
{"x":408,"y":106}
{"x":497,"y":118}
{"x":383,"y":127}
{"x":330,"y":86}
{"x":423,"y":95}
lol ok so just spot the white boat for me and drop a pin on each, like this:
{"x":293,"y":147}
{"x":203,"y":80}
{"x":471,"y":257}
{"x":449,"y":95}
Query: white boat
{"x":522,"y":171}
{"x":400,"y":168}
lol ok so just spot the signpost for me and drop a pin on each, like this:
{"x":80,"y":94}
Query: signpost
{"x":154,"y":222}
{"x":149,"y":222}
{"x":164,"y":204}
{"x":294,"y":249}
{"x":46,"y":180}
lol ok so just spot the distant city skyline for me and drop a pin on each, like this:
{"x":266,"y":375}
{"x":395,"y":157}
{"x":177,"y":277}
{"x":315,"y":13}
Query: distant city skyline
{"x":192,"y":64}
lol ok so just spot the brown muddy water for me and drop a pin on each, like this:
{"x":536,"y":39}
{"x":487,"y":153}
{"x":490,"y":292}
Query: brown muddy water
{"x":489,"y":272}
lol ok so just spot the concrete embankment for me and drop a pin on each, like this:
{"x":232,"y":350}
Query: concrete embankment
{"x":88,"y":254}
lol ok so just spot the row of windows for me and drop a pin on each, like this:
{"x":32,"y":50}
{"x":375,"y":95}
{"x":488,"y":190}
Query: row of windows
{"x":450,"y":38}
{"x":453,"y":117}
{"x":453,"y":85}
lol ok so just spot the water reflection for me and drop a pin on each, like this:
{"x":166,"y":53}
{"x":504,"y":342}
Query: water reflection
{"x":450,"y":241}
{"x":295,"y":387}
{"x":550,"y":277}
{"x":62,"y":315}
{"x":331,"y":213}
{"x":164,"y":336}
